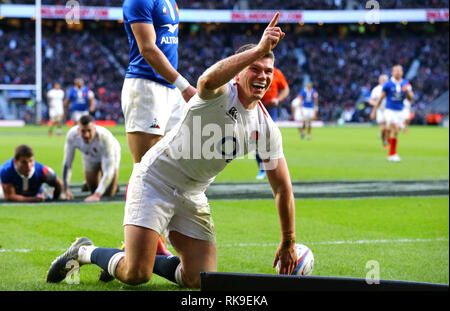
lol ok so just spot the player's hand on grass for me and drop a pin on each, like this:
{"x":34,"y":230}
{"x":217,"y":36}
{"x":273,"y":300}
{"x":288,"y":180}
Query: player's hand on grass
{"x":93,"y":198}
{"x":68,"y":195}
{"x":287,"y":256}
{"x":189,"y":93}
{"x":39,"y":198}
{"x":272,"y":35}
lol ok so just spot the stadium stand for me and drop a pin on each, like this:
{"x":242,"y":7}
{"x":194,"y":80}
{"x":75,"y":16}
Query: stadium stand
{"x":262,"y":4}
{"x":343,"y":62}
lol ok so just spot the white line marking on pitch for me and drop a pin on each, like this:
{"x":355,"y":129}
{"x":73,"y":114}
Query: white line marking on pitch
{"x":338,"y":242}
{"x":26,"y":250}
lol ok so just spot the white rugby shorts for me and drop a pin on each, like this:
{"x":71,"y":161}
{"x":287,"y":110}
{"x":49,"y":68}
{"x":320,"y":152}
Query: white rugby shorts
{"x":56,"y":115}
{"x":150,"y":107}
{"x":393,"y":116}
{"x":154,"y":205}
{"x":76,"y":115}
{"x":56,"y":118}
{"x":308,"y":114}
{"x":406,"y":114}
{"x":381,"y":116}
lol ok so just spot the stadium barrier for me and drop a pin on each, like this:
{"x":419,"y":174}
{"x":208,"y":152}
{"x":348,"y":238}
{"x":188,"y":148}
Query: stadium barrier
{"x":238,"y":16}
{"x":12,"y":123}
{"x":219,"y":281}
{"x":434,"y":118}
{"x":104,"y":123}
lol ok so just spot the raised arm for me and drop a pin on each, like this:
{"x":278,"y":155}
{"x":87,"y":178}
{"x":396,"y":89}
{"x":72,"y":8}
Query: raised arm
{"x":212,"y":83}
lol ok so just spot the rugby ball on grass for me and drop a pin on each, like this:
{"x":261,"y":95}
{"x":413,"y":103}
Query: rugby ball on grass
{"x":305,"y":261}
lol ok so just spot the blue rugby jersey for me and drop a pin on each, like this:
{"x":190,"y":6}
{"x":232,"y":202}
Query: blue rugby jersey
{"x":395,"y":93}
{"x":308,"y":97}
{"x":30,"y":186}
{"x":79,"y":99}
{"x":164,"y":16}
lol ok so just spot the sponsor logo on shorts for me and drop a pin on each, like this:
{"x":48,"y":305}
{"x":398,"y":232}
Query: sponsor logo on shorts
{"x":155,"y":124}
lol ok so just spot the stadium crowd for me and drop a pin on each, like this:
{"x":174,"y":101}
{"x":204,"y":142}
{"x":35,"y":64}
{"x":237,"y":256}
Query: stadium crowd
{"x":262,"y":4}
{"x":343,"y":68}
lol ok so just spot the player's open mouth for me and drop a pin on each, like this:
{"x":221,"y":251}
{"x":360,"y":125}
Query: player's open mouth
{"x":259,"y":86}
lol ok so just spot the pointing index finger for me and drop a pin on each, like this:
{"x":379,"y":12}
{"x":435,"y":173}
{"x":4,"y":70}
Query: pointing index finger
{"x":274,"y":20}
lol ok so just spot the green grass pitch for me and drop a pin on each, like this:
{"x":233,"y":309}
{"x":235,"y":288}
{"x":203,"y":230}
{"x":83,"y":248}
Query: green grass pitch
{"x":408,"y":237}
{"x":333,"y":154}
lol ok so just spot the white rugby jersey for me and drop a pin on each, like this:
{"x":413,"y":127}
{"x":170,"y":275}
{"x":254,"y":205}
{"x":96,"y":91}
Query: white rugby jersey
{"x":406,"y":104}
{"x":211,"y":134}
{"x":55,"y":102}
{"x":104,"y":149}
{"x":376,"y":94}
{"x":296,"y":103}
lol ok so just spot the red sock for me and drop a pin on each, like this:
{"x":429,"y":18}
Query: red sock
{"x":393,"y":146}
{"x":126,"y":191}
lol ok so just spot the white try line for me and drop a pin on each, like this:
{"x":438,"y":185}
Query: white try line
{"x":26,"y":250}
{"x":338,"y":242}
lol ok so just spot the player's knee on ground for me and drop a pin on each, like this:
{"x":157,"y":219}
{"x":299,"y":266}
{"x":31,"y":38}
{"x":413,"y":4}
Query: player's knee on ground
{"x":191,"y":280}
{"x":136,"y":276}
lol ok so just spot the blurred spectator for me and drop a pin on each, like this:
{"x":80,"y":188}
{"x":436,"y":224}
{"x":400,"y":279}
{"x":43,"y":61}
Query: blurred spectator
{"x":344,"y":65}
{"x":264,"y":5}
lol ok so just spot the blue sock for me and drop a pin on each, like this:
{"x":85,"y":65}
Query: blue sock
{"x":166,"y":266}
{"x":101,"y":256}
{"x":260,"y":162}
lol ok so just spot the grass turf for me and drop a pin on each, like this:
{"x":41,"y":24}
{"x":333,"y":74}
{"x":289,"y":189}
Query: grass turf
{"x":334,"y":153}
{"x":408,"y":237}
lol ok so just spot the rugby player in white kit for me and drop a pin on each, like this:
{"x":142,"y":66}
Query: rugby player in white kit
{"x":406,"y":114}
{"x":374,"y":96}
{"x":100,"y":152}
{"x":167,"y":188}
{"x":55,"y":101}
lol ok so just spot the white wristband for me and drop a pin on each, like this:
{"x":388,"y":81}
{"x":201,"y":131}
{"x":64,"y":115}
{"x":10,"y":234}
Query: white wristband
{"x":181,"y":83}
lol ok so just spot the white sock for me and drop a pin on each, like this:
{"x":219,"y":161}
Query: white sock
{"x":113,"y":262}
{"x":178,"y":276}
{"x":84,"y":254}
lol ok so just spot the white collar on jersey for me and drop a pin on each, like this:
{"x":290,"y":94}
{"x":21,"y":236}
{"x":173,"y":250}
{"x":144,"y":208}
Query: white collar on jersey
{"x":23,"y":176}
{"x":396,"y":81}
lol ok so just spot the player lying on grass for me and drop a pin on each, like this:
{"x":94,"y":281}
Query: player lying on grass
{"x":166,"y":189}
{"x":100,"y":152}
{"x":22,"y":178}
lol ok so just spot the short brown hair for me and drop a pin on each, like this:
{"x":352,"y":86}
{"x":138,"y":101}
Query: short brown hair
{"x":86,"y":119}
{"x":250,"y":46}
{"x":23,"y":151}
